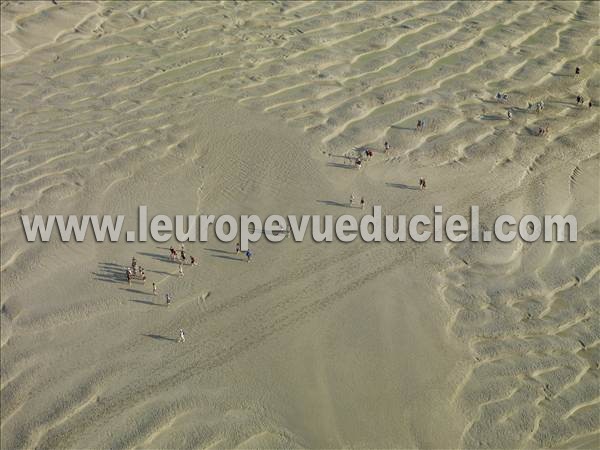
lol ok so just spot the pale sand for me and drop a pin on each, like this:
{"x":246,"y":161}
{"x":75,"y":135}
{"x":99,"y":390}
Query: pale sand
{"x":250,"y":108}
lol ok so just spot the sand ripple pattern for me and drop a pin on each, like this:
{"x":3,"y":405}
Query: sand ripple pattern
{"x":114,"y":88}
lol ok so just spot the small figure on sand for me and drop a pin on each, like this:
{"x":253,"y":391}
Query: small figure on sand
{"x":368,"y":154}
{"x":422,"y":183}
{"x":580,"y":100}
{"x":154,"y":288}
{"x":248,"y":255}
{"x":173,"y":254}
{"x":358,"y":163}
{"x":386,"y":146}
{"x":168,"y":298}
{"x":539,"y":106}
{"x":181,"y":339}
{"x":577,"y":71}
{"x":362,"y":203}
{"x":352,"y":200}
{"x":420,"y":125}
{"x":590,"y":104}
{"x":237,"y":248}
{"x":193,"y":261}
{"x":509,"y":115}
{"x":129,"y":276}
{"x":180,"y":270}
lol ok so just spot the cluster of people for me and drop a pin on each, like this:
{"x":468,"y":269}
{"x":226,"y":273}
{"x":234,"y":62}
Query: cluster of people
{"x":581,"y":101}
{"x":543,"y":131}
{"x":182,"y":259}
{"x":362,"y":201}
{"x":138,"y":272}
{"x":135,"y":272}
{"x":539,"y":106}
{"x":501,"y":97}
{"x":247,"y":253}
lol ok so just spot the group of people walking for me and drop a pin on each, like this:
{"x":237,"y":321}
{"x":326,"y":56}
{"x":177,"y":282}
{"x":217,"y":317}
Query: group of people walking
{"x":138,"y":272}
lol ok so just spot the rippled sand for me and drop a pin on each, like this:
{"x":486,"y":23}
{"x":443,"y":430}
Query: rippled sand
{"x":238,"y":108}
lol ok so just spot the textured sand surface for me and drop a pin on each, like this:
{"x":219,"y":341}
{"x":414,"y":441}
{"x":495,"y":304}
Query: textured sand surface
{"x":240,"y":108}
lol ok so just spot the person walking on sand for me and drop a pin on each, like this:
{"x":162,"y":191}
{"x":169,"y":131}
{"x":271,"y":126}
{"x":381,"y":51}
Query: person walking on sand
{"x":577,"y":71}
{"x":386,"y":146}
{"x":237,"y":248}
{"x":168,"y":298}
{"x":509,"y":115}
{"x":181,"y":339}
{"x":362,"y":203}
{"x":192,"y":261}
{"x":248,"y":255}
{"x":590,"y":104}
{"x":422,"y":183}
{"x":154,"y":288}
{"x":180,"y":270}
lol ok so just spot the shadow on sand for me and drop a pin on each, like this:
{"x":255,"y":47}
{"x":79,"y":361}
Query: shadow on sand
{"x":334,"y":203}
{"x":396,"y":127}
{"x":340,"y":165}
{"x":134,"y":291}
{"x":233,"y":258}
{"x":159,"y":337}
{"x":146,"y":302}
{"x":402,"y":186}
{"x":110,"y":273}
{"x":156,"y":256}
{"x":492,"y":117}
{"x":216,"y":250}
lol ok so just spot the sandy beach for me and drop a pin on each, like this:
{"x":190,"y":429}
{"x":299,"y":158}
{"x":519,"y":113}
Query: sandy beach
{"x":255,"y":108}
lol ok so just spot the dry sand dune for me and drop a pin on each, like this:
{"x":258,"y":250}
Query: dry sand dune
{"x":239,"y":108}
